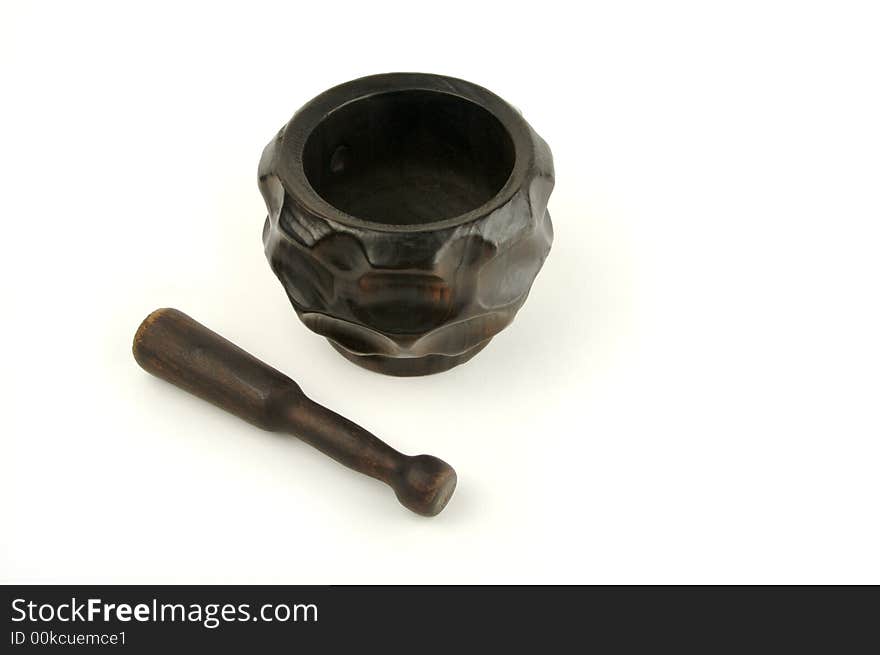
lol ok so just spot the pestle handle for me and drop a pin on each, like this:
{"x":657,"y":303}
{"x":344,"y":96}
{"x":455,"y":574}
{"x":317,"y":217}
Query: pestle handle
{"x":171,"y":345}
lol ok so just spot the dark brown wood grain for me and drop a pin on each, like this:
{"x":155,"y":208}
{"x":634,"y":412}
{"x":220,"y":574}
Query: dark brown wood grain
{"x":407,"y":218}
{"x":176,"y":348}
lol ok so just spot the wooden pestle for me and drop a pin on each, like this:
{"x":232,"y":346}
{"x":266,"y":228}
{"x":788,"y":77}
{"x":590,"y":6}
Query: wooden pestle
{"x":174,"y":347}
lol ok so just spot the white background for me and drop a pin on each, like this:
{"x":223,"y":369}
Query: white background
{"x":689,"y":395}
